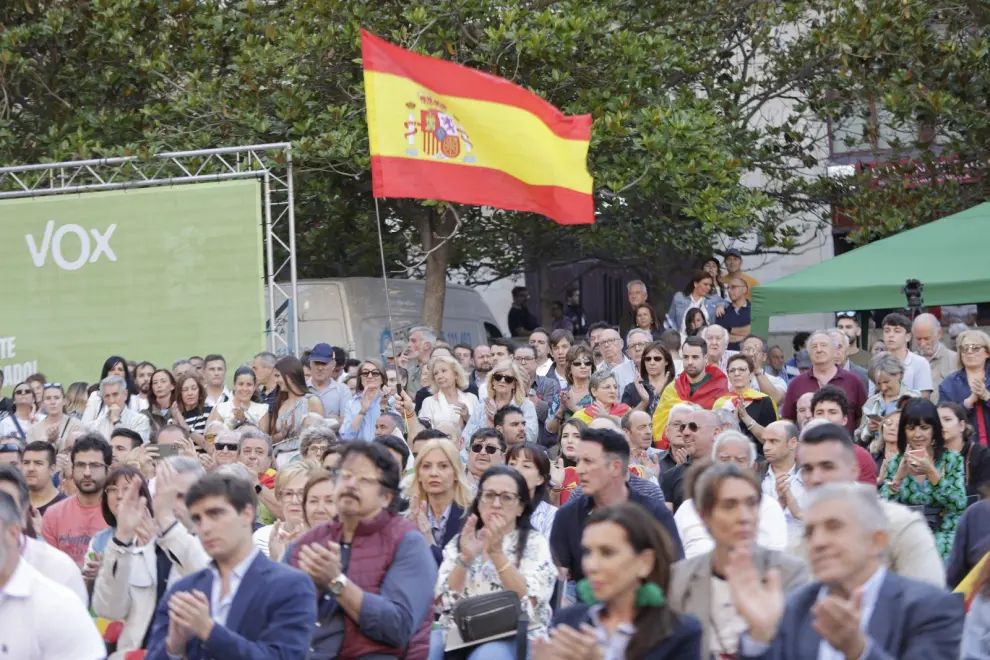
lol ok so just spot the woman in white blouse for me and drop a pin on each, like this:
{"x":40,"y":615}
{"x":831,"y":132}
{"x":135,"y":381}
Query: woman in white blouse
{"x":531,"y":461}
{"x":447,"y":402}
{"x":290,"y":491}
{"x":497,"y":550}
{"x":242,"y":407}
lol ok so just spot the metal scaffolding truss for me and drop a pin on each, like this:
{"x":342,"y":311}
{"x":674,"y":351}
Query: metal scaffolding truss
{"x":271,"y":163}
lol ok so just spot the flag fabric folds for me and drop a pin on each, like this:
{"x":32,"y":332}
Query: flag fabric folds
{"x":439,"y":130}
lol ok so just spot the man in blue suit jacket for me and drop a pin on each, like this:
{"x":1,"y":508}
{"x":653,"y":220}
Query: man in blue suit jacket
{"x":856,"y":608}
{"x":244,"y":606}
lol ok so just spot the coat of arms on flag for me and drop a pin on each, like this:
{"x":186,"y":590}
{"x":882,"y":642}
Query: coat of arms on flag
{"x":441,"y":135}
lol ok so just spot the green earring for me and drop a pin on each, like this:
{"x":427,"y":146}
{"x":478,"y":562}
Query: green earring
{"x":585,"y":593}
{"x":650,"y":595}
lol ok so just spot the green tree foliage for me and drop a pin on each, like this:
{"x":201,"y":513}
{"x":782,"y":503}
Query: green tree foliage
{"x":689,"y":99}
{"x":909,"y":93}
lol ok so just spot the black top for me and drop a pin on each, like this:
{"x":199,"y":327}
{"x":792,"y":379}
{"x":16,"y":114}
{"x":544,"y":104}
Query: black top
{"x":733,"y":319}
{"x":672,"y":485}
{"x":763,"y":414}
{"x":55,"y":500}
{"x":977,"y":460}
{"x":522,"y":318}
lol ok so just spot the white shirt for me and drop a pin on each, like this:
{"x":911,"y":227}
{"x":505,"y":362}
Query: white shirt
{"x":128,"y":419}
{"x":8,"y":427}
{"x":212,"y":402}
{"x":795,"y":527}
{"x":56,"y":566}
{"x":544,"y":368}
{"x":772,"y":531}
{"x":871,"y":592}
{"x":437,"y":409}
{"x":43,"y":620}
{"x":253,"y":414}
{"x":774,"y":380}
{"x":220,"y":606}
{"x":625,"y":373}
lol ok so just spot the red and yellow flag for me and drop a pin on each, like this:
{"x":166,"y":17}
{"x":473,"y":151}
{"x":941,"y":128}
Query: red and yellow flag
{"x":443,"y":131}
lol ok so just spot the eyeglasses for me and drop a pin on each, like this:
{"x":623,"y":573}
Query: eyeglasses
{"x":92,"y":467}
{"x":363,"y":479}
{"x":49,"y":386}
{"x":739,"y":370}
{"x":637,"y":346}
{"x":23,"y":391}
{"x":582,"y":363}
{"x":488,"y":449}
{"x":226,"y":446}
{"x":489,"y":497}
{"x":367,"y":373}
{"x":654,"y":358}
{"x":111,"y":490}
{"x":972,"y":348}
{"x":694,"y":427}
{"x":9,"y":447}
{"x":609,"y":342}
{"x":289,"y":495}
{"x":525,"y":358}
{"x":503,"y":378}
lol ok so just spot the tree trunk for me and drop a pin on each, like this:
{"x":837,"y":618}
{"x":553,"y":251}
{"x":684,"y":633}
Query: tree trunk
{"x":434,"y":226}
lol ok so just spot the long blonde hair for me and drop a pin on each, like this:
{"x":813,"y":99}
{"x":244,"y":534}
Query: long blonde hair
{"x":460,"y":378}
{"x":519,"y":394}
{"x":462,"y":494}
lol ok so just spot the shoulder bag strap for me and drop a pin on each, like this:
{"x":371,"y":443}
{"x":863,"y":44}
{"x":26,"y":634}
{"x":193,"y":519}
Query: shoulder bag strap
{"x":20,"y":431}
{"x":522,"y":632}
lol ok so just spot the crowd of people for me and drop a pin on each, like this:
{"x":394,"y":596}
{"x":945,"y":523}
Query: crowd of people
{"x":642,"y":491}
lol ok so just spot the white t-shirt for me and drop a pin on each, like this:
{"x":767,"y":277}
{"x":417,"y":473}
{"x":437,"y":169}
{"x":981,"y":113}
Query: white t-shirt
{"x":917,"y":372}
{"x":43,"y":620}
{"x":795,"y":527}
{"x":772,"y":532}
{"x":437,"y":409}
{"x":56,"y":566}
{"x":253,"y":414}
{"x":8,"y":427}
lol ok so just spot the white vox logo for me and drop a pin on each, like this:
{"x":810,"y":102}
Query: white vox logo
{"x":54,"y":242}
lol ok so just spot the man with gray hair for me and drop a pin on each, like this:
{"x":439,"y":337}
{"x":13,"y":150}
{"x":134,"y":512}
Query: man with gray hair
{"x":263,"y":366}
{"x":628,"y":371}
{"x":615,"y":360}
{"x":856,"y":607}
{"x":41,"y":618}
{"x":115,"y":413}
{"x":717,"y":339}
{"x":781,"y":480}
{"x":421,"y":343}
{"x":926,"y":330}
{"x":638,"y":295}
{"x":731,"y":447}
{"x":824,"y":371}
{"x":842,"y":356}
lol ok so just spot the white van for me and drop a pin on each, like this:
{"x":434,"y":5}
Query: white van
{"x":352,"y":313}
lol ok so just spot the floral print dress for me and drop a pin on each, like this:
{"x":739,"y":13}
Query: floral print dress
{"x":949,"y":495}
{"x":536,"y":567}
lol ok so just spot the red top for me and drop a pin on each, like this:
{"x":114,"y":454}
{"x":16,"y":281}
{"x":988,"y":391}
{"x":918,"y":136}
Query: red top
{"x":846,"y":381}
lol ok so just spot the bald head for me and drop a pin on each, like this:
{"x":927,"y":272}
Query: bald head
{"x":804,"y":409}
{"x":927,"y":333}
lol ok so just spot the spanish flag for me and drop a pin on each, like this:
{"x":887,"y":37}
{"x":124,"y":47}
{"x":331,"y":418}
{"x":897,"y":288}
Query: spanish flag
{"x":438,"y":130}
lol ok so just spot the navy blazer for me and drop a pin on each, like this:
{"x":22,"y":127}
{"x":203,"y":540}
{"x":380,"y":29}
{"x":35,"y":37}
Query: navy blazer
{"x":454,"y":523}
{"x":911,"y":621}
{"x":684,"y":643}
{"x":271,"y":618}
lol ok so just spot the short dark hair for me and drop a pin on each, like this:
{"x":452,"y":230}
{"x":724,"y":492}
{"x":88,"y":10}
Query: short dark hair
{"x":828,"y":432}
{"x":133,"y":436}
{"x":236,"y":490}
{"x":696,"y":341}
{"x":559,"y":335}
{"x":832,"y":394}
{"x":14,"y":476}
{"x":483,"y":434}
{"x":396,"y":445}
{"x":429,"y":434}
{"x":612,"y":442}
{"x":739,"y":357}
{"x":214,"y":357}
{"x":390,"y":475}
{"x":41,"y":446}
{"x":91,"y":442}
{"x":540,"y":329}
{"x":516,"y":290}
{"x":800,"y":340}
{"x":763,"y":342}
{"x":464,"y":346}
{"x":506,"y":343}
{"x":505,"y":411}
{"x":350,"y":363}
{"x":144,"y":364}
{"x":528,"y":347}
{"x":896,"y":320}
{"x":168,"y":428}
{"x":599,"y":325}
{"x":129,"y":473}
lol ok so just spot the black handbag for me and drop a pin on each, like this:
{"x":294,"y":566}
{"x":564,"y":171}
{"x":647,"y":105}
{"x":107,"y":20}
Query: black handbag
{"x":491,"y":615}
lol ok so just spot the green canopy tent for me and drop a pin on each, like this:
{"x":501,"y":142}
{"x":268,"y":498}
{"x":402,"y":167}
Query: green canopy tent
{"x":951,"y":257}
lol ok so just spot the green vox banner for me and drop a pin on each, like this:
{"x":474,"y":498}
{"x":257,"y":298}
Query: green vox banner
{"x":151,"y":274}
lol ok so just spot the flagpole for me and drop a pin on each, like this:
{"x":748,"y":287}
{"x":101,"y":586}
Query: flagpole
{"x":388,"y":300}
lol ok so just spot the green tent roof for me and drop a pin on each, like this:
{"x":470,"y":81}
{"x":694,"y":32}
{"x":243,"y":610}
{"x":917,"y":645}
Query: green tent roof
{"x":951,"y":257}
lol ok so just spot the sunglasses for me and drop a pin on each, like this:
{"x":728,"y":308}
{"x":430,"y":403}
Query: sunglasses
{"x":582,"y":363}
{"x":694,"y":427}
{"x":971,"y":348}
{"x":229,"y":446}
{"x":503,"y":378}
{"x":4,"y":448}
{"x":368,"y":374}
{"x":846,"y":315}
{"x":654,"y":358}
{"x":488,"y":449}
{"x":53,"y":385}
{"x":23,"y":392}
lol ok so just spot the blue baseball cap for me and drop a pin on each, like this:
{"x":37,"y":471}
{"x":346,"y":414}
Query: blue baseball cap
{"x":322,"y":353}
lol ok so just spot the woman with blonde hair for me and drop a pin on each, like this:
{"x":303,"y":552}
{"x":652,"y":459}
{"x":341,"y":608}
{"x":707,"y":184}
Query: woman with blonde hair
{"x":577,"y":369}
{"x":968,"y":386}
{"x":448,"y":402}
{"x":75,"y":399}
{"x":505,"y":387}
{"x":439,"y":494}
{"x":290,"y":491}
{"x":361,"y":413}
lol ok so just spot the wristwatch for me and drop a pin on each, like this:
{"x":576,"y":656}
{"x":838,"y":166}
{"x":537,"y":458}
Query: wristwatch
{"x":338,"y":584}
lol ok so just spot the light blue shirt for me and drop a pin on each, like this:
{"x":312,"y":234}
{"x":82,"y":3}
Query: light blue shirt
{"x":334,"y":397}
{"x":352,"y":409}
{"x":220,"y":605}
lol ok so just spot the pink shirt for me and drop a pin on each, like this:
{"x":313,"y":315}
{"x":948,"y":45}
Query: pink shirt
{"x":69,"y":526}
